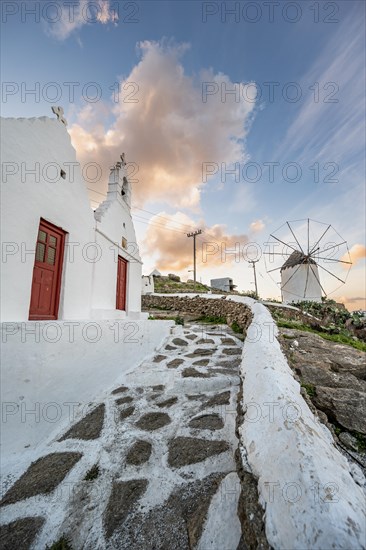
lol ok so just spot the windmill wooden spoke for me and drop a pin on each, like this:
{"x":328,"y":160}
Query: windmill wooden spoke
{"x":295,"y":237}
{"x":278,"y":253}
{"x":308,"y":235}
{"x":279,"y":240}
{"x":334,"y":260}
{"x":294,"y":273}
{"x":306,"y":283}
{"x":330,"y":273}
{"x":317,"y":278}
{"x":275,"y":269}
{"x":316,"y":244}
{"x":331,"y":247}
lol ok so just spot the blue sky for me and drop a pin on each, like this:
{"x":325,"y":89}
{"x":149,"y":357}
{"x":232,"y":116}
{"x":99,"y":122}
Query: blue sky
{"x":312,"y":51}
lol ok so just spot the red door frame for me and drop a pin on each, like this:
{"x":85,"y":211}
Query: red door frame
{"x":121,"y":292}
{"x":59,"y":259}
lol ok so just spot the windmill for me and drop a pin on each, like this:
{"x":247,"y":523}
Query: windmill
{"x":312,"y":258}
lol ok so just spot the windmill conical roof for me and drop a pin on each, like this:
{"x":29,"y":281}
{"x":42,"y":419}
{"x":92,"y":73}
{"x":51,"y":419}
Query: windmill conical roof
{"x":297,"y":258}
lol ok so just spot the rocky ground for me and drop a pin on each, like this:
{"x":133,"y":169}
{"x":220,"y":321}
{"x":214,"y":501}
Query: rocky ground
{"x":333,"y":379}
{"x":153,"y":466}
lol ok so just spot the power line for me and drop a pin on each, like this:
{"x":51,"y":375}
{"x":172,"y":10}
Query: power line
{"x":149,"y":212}
{"x":153,"y":224}
{"x":141,"y":220}
{"x":157,"y":222}
{"x":98,"y":192}
{"x":163,"y":218}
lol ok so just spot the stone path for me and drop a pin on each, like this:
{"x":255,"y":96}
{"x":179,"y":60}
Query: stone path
{"x":151,"y":467}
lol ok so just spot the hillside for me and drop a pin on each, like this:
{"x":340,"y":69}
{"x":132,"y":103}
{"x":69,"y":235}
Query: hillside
{"x":173,"y":284}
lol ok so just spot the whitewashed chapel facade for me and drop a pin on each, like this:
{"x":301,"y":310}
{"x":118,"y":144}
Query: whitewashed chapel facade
{"x":61,"y":260}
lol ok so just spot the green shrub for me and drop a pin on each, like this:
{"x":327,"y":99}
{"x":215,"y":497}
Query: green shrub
{"x":340,"y":338}
{"x":212,"y":320}
{"x":236,"y":328}
{"x":361,"y":441}
{"x":309,"y":388}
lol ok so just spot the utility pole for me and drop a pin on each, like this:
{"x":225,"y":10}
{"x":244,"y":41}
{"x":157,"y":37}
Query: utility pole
{"x":194,"y":235}
{"x":253,"y":262}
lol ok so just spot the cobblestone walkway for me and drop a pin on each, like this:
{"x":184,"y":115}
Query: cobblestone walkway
{"x":151,"y":467}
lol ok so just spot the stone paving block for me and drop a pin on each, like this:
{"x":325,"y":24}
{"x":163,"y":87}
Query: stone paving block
{"x":175,"y":525}
{"x":219,"y":399}
{"x":228,"y":342}
{"x":123,"y":400}
{"x":42,"y":476}
{"x":202,"y":363}
{"x":180,"y":342}
{"x":232,"y":351}
{"x":175,"y":363}
{"x":153,"y":421}
{"x":190,"y":372}
{"x":201,"y":352}
{"x":89,"y":427}
{"x":20,"y":534}
{"x":121,"y":389}
{"x":207,"y":422}
{"x":124,"y":496}
{"x":125,"y":413}
{"x":189,"y":450}
{"x":159,"y":358}
{"x":205,"y":341}
{"x":168,"y":402}
{"x":139,"y":453}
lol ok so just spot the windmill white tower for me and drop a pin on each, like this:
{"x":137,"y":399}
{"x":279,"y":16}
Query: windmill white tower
{"x":310,"y":256}
{"x":300,"y":279}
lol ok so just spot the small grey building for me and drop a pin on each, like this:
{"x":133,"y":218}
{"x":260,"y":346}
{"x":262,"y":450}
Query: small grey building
{"x":225,"y":283}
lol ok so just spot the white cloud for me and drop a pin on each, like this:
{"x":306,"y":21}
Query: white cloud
{"x":74,"y":17}
{"x":163,"y":126}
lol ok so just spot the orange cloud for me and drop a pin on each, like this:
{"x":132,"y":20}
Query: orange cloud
{"x":163,"y":125}
{"x":257,"y":226}
{"x":352,"y":303}
{"x":168,"y":241}
{"x":357,"y":252}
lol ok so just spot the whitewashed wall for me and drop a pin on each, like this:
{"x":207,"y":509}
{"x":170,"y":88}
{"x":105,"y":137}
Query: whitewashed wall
{"x":26,"y":198}
{"x":147,"y":284}
{"x":89,"y":276}
{"x":302,"y":285}
{"x":114,"y":222}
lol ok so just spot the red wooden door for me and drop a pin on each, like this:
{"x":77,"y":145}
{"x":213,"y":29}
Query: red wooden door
{"x":47,"y":271}
{"x":121,"y":283}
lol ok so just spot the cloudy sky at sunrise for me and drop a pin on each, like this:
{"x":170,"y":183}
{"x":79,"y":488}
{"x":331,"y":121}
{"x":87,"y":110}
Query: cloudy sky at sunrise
{"x":234,"y":116}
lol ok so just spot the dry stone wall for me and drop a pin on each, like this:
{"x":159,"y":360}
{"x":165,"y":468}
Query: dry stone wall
{"x":231,"y":311}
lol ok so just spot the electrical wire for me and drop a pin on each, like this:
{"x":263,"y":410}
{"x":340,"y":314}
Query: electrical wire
{"x":153,"y":224}
{"x":163,"y":218}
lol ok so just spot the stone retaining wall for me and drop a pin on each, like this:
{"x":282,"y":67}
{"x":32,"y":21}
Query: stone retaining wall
{"x":231,"y":311}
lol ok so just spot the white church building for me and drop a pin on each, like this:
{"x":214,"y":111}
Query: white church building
{"x":61,"y":260}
